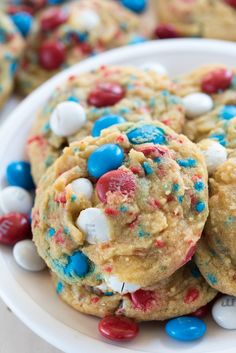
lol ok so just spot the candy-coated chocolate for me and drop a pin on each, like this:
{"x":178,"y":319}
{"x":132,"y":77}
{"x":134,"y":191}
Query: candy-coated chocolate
{"x":51,"y":55}
{"x":145,"y":134}
{"x":82,"y":186}
{"x":216,"y":80}
{"x":23,"y":22}
{"x":106,"y":94}
{"x":78,"y":264}
{"x":52,"y":18}
{"x":26,"y":256}
{"x":18,"y":174}
{"x":186,"y":328}
{"x":105,"y":158}
{"x":137,"y":6}
{"x":166,"y":31}
{"x":197,"y":104}
{"x":118,"y":328}
{"x":120,"y":287}
{"x":104,"y":122}
{"x":115,"y":181}
{"x":15,"y":199}
{"x":14,"y":227}
{"x":224,"y":312}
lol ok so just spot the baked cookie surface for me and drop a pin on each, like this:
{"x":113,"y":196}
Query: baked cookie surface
{"x":114,"y":202}
{"x":64,"y":35}
{"x":181,"y":294}
{"x":130,"y":93}
{"x":199,"y":18}
{"x":11,"y":47}
{"x":216,"y":252}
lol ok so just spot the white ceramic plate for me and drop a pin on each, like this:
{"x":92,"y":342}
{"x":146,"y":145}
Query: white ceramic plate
{"x":31,"y":296}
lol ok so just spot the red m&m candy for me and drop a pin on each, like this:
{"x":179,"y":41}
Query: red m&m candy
{"x":14,"y":227}
{"x":166,"y":31}
{"x":216,"y":80}
{"x":231,"y":3}
{"x":118,"y":328}
{"x":106,"y":94}
{"x":143,"y":299}
{"x":52,"y":18}
{"x":115,"y":180}
{"x":51,"y":55}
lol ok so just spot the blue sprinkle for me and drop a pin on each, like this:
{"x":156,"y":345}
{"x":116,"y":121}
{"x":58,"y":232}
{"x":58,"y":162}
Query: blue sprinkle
{"x":147,"y":168}
{"x":200,"y":206}
{"x":82,"y":36}
{"x":187,"y":163}
{"x":180,"y":198}
{"x":108,"y":294}
{"x":73,"y":99}
{"x":211,"y":278}
{"x":59,"y":288}
{"x":165,"y":93}
{"x":2,"y":35}
{"x":228,"y":112}
{"x":142,"y":233}
{"x":13,"y":67}
{"x":199,"y":185}
{"x":51,"y":232}
{"x":157,"y":159}
{"x":123,"y":208}
{"x":175,"y":187}
{"x":219,"y":137}
{"x":233,"y":82}
{"x":46,"y":127}
{"x":124,"y":110}
{"x":73,"y":198}
{"x":66,"y":230}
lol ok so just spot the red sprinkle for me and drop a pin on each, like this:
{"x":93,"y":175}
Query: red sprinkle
{"x":160,"y":243}
{"x":106,"y":94}
{"x":14,"y":227}
{"x":115,"y":181}
{"x":216,"y":80}
{"x":190,"y":254}
{"x":118,"y":328}
{"x":60,"y":198}
{"x":51,"y":55}
{"x":52,"y":18}
{"x":37,"y":139}
{"x":94,"y":300}
{"x":191,"y":295}
{"x":143,"y":299}
{"x":111,"y":211}
{"x":166,"y":31}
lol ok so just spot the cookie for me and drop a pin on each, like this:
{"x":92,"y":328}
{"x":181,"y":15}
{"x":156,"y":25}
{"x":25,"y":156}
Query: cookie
{"x":216,"y":252}
{"x":199,"y":18}
{"x":128,"y":206}
{"x":129,"y":93}
{"x":64,"y":35}
{"x":209,"y":96}
{"x":11,"y":47}
{"x":181,"y":294}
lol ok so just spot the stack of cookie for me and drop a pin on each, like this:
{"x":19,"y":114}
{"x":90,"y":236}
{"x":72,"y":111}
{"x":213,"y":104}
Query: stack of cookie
{"x":120,"y":214}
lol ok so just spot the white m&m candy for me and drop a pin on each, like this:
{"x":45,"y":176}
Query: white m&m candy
{"x":224,"y":312}
{"x":94,"y":224}
{"x":154,"y":66}
{"x":197,"y":104}
{"x":15,"y":199}
{"x":26,"y":256}
{"x":82,"y":186}
{"x":120,"y":287}
{"x":67,"y":118}
{"x":88,"y":19}
{"x":214,"y":153}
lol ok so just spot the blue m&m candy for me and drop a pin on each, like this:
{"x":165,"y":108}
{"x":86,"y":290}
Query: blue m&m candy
{"x":145,"y":134}
{"x":23,"y":22}
{"x":137,"y":6}
{"x":228,"y":112}
{"x":106,"y":121}
{"x":18,"y":174}
{"x":78,"y":264}
{"x":105,"y":158}
{"x":186,"y":328}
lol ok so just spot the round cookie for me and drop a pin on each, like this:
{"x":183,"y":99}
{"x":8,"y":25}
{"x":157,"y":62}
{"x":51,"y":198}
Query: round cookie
{"x":12,"y":45}
{"x":216,"y":251}
{"x":128,"y":206}
{"x":64,"y":35}
{"x":143,"y":95}
{"x":199,"y":18}
{"x":210,"y":93}
{"x":181,"y":294}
